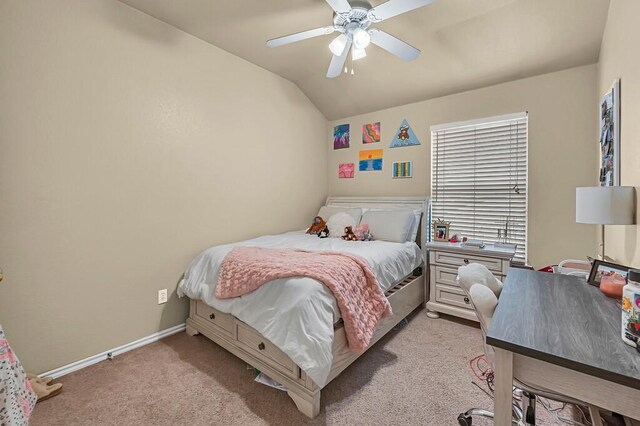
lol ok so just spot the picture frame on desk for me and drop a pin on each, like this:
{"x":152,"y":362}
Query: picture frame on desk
{"x":600,"y":268}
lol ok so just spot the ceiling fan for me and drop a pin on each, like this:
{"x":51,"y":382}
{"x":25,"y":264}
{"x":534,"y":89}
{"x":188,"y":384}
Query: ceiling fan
{"x":353,"y":19}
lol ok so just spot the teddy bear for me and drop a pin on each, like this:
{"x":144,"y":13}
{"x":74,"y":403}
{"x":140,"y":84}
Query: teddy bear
{"x":349,"y":235}
{"x":318,"y":227}
{"x":362,"y":233}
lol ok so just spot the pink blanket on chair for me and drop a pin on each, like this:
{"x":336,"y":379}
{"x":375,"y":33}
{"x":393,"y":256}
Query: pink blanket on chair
{"x":361,"y":301}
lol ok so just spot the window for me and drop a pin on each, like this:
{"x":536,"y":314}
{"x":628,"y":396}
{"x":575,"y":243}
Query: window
{"x":479,"y":179}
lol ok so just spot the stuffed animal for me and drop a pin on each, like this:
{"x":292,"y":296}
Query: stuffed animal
{"x":43,"y":387}
{"x":317,"y":226}
{"x":362,"y":233}
{"x":324,"y":233}
{"x":349,"y":235}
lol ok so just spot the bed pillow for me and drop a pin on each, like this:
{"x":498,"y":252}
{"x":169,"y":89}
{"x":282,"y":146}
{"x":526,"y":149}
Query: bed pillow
{"x":338,"y":222}
{"x":389,"y":225}
{"x":413,"y":230}
{"x":327,"y":211}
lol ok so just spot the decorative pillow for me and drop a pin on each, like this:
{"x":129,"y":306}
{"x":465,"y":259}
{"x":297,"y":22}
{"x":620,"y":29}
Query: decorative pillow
{"x":338,"y":222}
{"x":327,"y":211}
{"x":389,"y":225}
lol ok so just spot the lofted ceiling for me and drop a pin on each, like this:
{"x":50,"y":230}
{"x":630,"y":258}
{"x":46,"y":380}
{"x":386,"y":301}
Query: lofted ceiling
{"x":465,"y":44}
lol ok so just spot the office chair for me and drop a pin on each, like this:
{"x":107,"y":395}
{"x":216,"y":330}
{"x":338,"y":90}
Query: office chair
{"x":483,"y":291}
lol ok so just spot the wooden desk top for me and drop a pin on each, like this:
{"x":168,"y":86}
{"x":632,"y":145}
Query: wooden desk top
{"x":562,"y":320}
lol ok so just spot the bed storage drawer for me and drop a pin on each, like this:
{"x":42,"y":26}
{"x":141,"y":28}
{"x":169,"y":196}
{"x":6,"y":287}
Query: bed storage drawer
{"x":452,"y":296}
{"x":221,"y":322}
{"x":456,"y":260}
{"x":254,"y":342}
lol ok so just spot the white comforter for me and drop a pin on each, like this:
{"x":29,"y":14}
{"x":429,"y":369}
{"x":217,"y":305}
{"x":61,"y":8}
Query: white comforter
{"x":297,"y":314}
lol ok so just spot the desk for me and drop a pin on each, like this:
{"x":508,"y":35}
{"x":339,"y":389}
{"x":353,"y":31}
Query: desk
{"x":556,"y":332}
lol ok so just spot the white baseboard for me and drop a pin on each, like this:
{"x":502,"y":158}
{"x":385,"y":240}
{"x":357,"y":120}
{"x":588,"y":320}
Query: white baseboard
{"x":83,"y":363}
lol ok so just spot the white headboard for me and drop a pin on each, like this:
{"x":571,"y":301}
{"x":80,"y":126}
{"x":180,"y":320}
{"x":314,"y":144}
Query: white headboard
{"x":396,"y":202}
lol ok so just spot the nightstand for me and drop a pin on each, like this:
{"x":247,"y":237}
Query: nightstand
{"x":445,"y":295}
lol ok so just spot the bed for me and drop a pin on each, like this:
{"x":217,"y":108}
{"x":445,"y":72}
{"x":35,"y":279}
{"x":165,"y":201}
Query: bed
{"x":291,"y":329}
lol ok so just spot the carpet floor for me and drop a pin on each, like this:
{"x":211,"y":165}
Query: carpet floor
{"x":416,"y":375}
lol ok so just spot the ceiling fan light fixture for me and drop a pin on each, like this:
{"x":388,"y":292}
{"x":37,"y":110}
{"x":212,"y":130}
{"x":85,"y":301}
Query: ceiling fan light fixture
{"x":361,"y":38}
{"x":357,"y":53}
{"x":338,"y":44}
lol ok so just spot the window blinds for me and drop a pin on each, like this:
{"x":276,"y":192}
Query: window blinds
{"x":479,"y":179}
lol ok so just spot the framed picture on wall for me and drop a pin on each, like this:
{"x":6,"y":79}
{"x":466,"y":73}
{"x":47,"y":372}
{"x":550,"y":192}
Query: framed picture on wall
{"x":609,"y":112}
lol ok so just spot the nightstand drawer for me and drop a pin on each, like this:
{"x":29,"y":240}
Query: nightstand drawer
{"x":452,"y":296}
{"x":455,"y":259}
{"x":445,"y":275}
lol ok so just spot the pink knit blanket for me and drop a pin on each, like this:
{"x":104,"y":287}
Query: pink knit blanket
{"x":361,"y":301}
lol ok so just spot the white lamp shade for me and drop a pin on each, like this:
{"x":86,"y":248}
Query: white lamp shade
{"x":605,"y":205}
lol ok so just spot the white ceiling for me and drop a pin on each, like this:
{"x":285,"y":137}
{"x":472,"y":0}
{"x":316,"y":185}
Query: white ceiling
{"x":466,"y":44}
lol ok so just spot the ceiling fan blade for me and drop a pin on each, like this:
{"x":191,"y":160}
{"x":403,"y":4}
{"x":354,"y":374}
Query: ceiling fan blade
{"x":393,"y":45}
{"x":292,"y":38}
{"x":340,"y":6}
{"x":337,"y":62}
{"x":395,"y":7}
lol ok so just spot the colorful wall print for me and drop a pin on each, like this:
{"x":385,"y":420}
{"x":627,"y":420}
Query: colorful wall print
{"x":402,"y":169}
{"x":345,"y":170}
{"x":370,"y":160}
{"x":610,"y":137}
{"x":371,"y":133}
{"x":404,"y":136}
{"x":341,"y":136}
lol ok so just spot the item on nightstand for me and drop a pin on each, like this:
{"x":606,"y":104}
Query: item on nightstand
{"x":631,"y":308}
{"x":473,"y":243}
{"x":349,"y":235}
{"x":317,"y":226}
{"x":441,"y":230}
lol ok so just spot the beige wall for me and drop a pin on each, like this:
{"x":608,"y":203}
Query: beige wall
{"x":562,"y":151}
{"x":619,"y":58}
{"x":126,"y":148}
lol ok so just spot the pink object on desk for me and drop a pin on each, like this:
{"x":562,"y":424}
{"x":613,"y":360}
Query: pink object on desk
{"x":612,"y":286}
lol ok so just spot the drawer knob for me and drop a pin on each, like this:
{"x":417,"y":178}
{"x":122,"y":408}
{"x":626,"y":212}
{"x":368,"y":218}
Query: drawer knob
{"x":212,"y":316}
{"x":261,"y":346}
{"x":466,"y":261}
{"x":466,"y":300}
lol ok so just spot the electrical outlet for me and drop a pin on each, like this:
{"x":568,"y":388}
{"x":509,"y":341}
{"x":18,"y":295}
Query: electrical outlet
{"x":162,"y":296}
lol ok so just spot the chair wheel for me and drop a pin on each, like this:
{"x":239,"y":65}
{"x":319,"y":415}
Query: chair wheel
{"x":464,"y":420}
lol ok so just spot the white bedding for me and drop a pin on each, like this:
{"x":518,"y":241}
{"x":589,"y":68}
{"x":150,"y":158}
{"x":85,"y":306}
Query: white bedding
{"x":297,"y":314}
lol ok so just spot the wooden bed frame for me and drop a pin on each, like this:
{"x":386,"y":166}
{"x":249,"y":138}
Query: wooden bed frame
{"x":249,"y":345}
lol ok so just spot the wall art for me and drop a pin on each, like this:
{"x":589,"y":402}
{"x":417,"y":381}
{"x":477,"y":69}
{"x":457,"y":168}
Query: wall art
{"x":404,"y":136}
